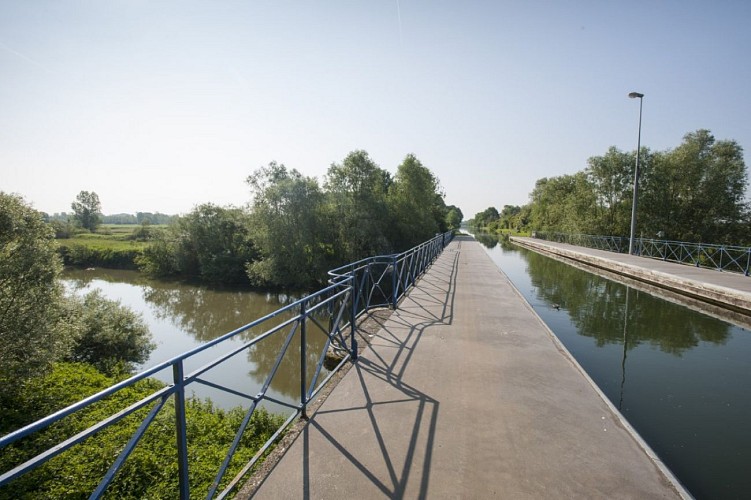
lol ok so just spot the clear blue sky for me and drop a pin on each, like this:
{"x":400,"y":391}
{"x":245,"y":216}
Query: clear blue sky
{"x":162,"y":105}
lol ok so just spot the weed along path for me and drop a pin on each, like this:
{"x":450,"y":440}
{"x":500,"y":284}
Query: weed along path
{"x":465,"y":393}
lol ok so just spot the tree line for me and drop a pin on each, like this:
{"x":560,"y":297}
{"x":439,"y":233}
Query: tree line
{"x":694,"y":192}
{"x":295,"y":228}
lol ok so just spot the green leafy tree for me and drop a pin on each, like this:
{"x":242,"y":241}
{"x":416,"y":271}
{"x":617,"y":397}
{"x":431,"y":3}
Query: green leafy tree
{"x":612,"y":179}
{"x":414,"y":205}
{"x":87,"y":210}
{"x":108,"y":336}
{"x":210,"y":243}
{"x":486,"y":217}
{"x":356,"y":191}
{"x":508,"y":215}
{"x":34,"y":325}
{"x":288,"y":229}
{"x":566,"y":203}
{"x":695,"y":192}
{"x":454,"y":217}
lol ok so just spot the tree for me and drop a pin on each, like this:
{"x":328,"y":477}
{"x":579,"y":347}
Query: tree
{"x":356,"y":191}
{"x":695,"y":192}
{"x":87,"y":210}
{"x":38,"y":324}
{"x":108,"y":336}
{"x":414,"y":205}
{"x":289,"y":229}
{"x":508,"y":215}
{"x":211,"y":243}
{"x":484,"y":218}
{"x":565,"y":203}
{"x":34,"y":326}
{"x":454,"y":217}
{"x":612,"y":179}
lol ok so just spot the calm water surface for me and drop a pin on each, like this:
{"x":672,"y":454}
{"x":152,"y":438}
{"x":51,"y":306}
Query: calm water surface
{"x":682,"y":378}
{"x":182,"y":316}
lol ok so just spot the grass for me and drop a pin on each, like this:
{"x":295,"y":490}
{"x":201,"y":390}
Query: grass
{"x":110,"y":247}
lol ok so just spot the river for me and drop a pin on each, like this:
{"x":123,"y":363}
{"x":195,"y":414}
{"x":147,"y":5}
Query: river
{"x":182,"y":316}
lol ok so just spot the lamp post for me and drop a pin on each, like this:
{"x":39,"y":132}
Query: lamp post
{"x":634,"y":95}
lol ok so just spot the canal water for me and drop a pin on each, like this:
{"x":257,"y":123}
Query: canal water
{"x":181,"y":317}
{"x":681,"y":377}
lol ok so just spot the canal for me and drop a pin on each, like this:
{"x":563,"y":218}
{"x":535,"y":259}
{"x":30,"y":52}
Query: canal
{"x":681,"y":377}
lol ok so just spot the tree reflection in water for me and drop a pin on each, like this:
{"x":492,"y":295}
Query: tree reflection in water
{"x":207,"y":313}
{"x":598,"y":307}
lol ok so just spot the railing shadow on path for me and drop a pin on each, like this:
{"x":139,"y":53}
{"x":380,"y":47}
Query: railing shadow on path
{"x":380,"y":374}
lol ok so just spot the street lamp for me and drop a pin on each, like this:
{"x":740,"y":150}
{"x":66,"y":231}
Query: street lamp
{"x":634,"y":95}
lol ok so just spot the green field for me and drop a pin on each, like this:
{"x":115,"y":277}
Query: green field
{"x":112,"y":246}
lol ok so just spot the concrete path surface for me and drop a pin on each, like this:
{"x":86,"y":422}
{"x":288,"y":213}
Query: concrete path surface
{"x":465,"y":393}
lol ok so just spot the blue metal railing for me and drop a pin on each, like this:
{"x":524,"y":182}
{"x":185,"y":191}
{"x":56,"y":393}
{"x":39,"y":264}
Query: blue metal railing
{"x":353,"y":289}
{"x":730,"y":258}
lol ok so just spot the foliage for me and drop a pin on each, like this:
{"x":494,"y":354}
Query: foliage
{"x":87,"y":210}
{"x":151,"y":470}
{"x":289,"y":227}
{"x":211,"y":243}
{"x":696,"y":192}
{"x":612,"y":179}
{"x":416,"y":204}
{"x":33,"y":314}
{"x":63,"y":228}
{"x":112,"y":254}
{"x":454,"y":217}
{"x":139,"y":218}
{"x":108,"y":336}
{"x":692,"y":193}
{"x":484,"y":218}
{"x":566,"y":203}
{"x":38,"y":324}
{"x":356,"y":192}
{"x":292,"y":232}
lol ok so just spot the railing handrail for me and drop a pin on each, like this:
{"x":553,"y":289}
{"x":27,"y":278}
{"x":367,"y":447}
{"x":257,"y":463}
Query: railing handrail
{"x":346,"y":292}
{"x":707,"y":255}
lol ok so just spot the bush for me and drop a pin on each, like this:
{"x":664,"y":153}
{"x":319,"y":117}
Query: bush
{"x":110,"y":337}
{"x":151,"y":470}
{"x":100,"y":253}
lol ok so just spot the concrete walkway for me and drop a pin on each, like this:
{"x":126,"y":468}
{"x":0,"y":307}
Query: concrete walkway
{"x":732,"y":290}
{"x":465,"y":393}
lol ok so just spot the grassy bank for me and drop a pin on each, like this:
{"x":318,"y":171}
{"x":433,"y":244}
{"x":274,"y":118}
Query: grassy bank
{"x":113,"y":246}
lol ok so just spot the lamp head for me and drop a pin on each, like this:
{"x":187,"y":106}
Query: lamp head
{"x":634,"y":95}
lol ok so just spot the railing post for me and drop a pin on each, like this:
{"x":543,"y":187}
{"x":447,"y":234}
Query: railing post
{"x":181,"y":432}
{"x":748,"y":260}
{"x":394,"y":290}
{"x":303,"y":362}
{"x":353,"y":316}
